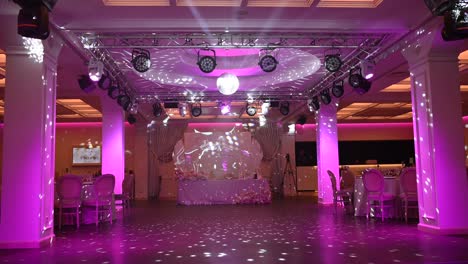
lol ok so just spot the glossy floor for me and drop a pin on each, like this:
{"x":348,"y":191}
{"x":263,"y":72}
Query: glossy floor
{"x":287,"y":231}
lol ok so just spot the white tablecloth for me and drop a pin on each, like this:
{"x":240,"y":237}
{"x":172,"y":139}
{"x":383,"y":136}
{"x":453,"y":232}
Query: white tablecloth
{"x":207,"y":192}
{"x":392,"y":185}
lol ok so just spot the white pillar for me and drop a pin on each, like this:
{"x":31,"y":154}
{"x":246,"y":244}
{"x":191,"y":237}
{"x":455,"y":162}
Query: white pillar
{"x":113,"y":141}
{"x":27,"y":210}
{"x":141,"y":161}
{"x":438,"y":135}
{"x":327,"y":150}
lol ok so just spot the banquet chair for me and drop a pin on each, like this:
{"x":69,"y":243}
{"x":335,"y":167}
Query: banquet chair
{"x":374,"y":184}
{"x":69,"y":194}
{"x":128,"y":193}
{"x":409,"y":190}
{"x":339,"y":196}
{"x":103,"y":199}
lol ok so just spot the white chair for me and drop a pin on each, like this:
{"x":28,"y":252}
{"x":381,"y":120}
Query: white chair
{"x":339,"y":196}
{"x":69,"y":194}
{"x":103,"y":199}
{"x":409,"y":190}
{"x":374,"y":185}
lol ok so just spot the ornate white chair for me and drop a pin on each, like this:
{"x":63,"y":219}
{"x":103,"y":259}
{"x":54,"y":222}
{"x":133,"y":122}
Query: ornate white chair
{"x":69,"y":194}
{"x":374,"y":185}
{"x":103,"y":199}
{"x":408,"y":190}
{"x":339,"y":196}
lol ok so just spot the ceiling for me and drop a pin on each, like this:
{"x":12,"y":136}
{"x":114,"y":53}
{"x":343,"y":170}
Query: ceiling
{"x":301,"y":33}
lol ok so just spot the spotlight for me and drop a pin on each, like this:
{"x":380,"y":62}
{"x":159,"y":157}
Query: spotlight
{"x":301,"y":120}
{"x":33,"y":18}
{"x":206,"y":64}
{"x":131,"y":119}
{"x":113,"y":92}
{"x":456,"y":22}
{"x":268,"y":63}
{"x":367,"y":69}
{"x":225,"y":108}
{"x":325,"y":96}
{"x":141,"y":60}
{"x":105,"y":82}
{"x":359,"y":83}
{"x":338,"y":89}
{"x":157,"y":109}
{"x":284,"y":108}
{"x":265,"y":108}
{"x":314,"y":104}
{"x":86,"y":84}
{"x":182,"y":109}
{"x":438,"y":7}
{"x":133,"y":108}
{"x":196,"y":110}
{"x":251,"y":110}
{"x":333,"y":62}
{"x":95,"y":69}
{"x":124,"y":101}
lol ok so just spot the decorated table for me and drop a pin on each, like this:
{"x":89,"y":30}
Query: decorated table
{"x":233,"y":191}
{"x":392,"y":185}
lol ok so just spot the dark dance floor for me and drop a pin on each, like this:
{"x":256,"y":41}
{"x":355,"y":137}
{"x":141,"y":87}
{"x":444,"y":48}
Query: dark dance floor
{"x":287,"y":231}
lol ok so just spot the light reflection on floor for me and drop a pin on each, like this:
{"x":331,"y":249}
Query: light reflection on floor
{"x":287,"y":231}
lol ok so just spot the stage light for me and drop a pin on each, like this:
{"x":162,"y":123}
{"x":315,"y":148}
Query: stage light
{"x":439,"y":7}
{"x":227,"y":83}
{"x":141,"y":60}
{"x":368,"y":68}
{"x":124,"y":101}
{"x":268,"y":63}
{"x":359,"y":83}
{"x":456,"y":22}
{"x":113,"y":92}
{"x":265,"y":108}
{"x":131,"y":119}
{"x":157,"y":109}
{"x":133,"y":108}
{"x":314,"y":104}
{"x":33,"y":18}
{"x":225,"y":108}
{"x":251,"y":110}
{"x":105,"y":82}
{"x":284,"y":108}
{"x":333,"y":62}
{"x":95,"y":69}
{"x":196,"y":110}
{"x":206,"y":64}
{"x":182,"y":109}
{"x":301,"y":120}
{"x":86,"y":84}
{"x":325,"y":97}
{"x":338,"y":89}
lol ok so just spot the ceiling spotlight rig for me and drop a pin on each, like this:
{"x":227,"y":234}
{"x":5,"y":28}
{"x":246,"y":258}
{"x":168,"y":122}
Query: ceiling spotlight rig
{"x":267,"y":62}
{"x":325,"y":97}
{"x":314,"y":104}
{"x":338,"y":88}
{"x":95,"y":69}
{"x":206,"y":63}
{"x":284,"y":108}
{"x":333,"y":61}
{"x":196,"y":109}
{"x":360,"y":84}
{"x":251,"y":110}
{"x":141,"y":60}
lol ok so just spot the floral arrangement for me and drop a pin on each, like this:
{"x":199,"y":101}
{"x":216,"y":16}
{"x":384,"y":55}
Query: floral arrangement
{"x":253,"y":197}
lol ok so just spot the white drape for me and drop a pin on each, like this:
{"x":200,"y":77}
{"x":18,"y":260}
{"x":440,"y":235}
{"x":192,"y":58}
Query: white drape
{"x":269,"y":138}
{"x":161,"y":142}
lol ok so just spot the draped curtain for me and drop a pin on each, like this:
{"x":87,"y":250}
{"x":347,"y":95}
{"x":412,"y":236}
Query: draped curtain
{"x":161,"y":142}
{"x":269,"y":139}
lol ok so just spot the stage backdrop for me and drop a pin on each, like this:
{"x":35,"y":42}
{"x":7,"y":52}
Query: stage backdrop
{"x":214,"y":154}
